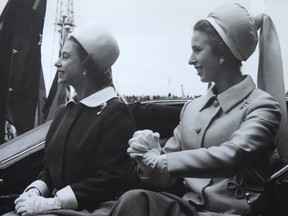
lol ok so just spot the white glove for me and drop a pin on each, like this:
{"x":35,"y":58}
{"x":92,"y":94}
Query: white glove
{"x":156,"y":166}
{"x":152,"y":161}
{"x":35,"y":205}
{"x":142,"y":142}
{"x":33,"y":192}
{"x":30,"y":193}
{"x":155,"y":161}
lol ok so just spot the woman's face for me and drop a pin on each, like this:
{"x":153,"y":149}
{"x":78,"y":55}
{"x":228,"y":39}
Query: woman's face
{"x":204,"y":60}
{"x":69,"y":66}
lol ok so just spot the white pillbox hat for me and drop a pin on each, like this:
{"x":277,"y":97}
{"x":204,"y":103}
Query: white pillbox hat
{"x":98,"y":42}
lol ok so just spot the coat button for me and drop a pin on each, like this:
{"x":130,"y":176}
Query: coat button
{"x":215,"y":103}
{"x":198,"y":197}
{"x":197,"y":130}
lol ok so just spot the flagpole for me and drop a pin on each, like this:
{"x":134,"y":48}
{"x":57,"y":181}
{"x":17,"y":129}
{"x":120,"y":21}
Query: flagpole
{"x":60,"y":93}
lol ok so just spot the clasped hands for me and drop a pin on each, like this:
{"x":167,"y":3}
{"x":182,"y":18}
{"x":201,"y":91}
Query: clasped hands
{"x":146,"y":150}
{"x":31,"y":203}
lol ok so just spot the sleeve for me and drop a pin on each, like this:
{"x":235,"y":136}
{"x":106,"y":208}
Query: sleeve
{"x":44,"y":175}
{"x":172,"y":145}
{"x":254,"y":136}
{"x":41,"y":186}
{"x":111,"y":162}
{"x":67,"y":198}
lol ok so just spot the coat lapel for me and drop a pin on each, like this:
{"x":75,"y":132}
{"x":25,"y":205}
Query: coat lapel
{"x":58,"y":144}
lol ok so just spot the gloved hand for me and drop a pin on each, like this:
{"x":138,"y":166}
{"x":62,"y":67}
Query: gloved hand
{"x":30,"y":193}
{"x":157,"y":167}
{"x":26,"y":206}
{"x":155,"y":161}
{"x":142,"y":142}
{"x":151,"y":161}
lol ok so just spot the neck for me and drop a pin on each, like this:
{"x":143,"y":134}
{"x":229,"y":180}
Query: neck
{"x":227,"y":80}
{"x":86,"y":90}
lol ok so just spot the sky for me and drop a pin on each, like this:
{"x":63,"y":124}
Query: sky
{"x":154,"y":37}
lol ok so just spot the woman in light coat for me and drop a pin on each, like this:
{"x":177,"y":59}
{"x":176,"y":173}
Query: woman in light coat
{"x":223,"y":144}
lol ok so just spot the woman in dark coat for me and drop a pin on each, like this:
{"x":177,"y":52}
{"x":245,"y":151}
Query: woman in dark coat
{"x":86,"y":161}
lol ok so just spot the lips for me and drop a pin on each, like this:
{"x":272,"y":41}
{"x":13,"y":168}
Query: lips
{"x":199,"y":71}
{"x":60,"y":73}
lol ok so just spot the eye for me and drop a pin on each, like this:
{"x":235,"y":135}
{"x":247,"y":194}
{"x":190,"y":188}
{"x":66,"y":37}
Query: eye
{"x":197,"y":49}
{"x":64,"y":56}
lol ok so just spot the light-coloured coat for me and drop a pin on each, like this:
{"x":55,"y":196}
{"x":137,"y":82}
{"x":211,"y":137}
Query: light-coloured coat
{"x":223,"y":145}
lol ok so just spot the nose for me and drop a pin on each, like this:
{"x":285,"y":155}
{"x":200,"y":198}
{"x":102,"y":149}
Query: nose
{"x":58,"y":63}
{"x":192,"y":60}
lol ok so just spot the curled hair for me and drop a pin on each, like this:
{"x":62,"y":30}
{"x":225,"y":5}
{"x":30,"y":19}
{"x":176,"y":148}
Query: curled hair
{"x":217,"y":44}
{"x":102,"y":79}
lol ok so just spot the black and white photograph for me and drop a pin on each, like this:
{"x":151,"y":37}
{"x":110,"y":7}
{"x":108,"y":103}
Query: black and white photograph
{"x":143,"y":107}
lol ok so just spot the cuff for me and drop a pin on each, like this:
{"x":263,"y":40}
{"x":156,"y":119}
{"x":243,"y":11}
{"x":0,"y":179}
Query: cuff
{"x":67,"y":198}
{"x":142,"y":176}
{"x":41,"y":186}
{"x":162,"y":165}
{"x":159,"y":176}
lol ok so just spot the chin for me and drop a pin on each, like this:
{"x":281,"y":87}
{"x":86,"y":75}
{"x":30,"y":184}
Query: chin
{"x":203,"y":79}
{"x":61,"y":81}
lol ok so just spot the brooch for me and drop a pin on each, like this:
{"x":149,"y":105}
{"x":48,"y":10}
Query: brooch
{"x":102,"y":107}
{"x":245,"y":103}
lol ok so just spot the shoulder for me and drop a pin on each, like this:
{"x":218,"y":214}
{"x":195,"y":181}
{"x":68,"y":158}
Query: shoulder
{"x":116,"y":103}
{"x":193,"y":104}
{"x":60,"y":111}
{"x":117,"y":108}
{"x":259,"y":104}
{"x":259,"y":97}
{"x":118,"y":114}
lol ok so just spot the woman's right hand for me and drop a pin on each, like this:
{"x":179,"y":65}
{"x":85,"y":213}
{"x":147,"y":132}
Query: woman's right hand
{"x":143,"y":141}
{"x":27,"y":206}
{"x":30,"y":193}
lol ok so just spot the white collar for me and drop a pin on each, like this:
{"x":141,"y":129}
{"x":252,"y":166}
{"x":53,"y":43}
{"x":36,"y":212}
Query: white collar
{"x":97,"y":98}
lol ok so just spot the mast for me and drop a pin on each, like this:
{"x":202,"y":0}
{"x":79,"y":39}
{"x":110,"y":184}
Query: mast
{"x":64,"y":20}
{"x":64,"y":24}
{"x":182,"y":91}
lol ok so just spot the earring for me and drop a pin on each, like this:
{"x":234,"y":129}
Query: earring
{"x":84,"y":73}
{"x":221,"y":61}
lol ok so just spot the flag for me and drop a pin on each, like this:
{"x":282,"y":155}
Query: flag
{"x":21,"y":27}
{"x":40,"y":116}
{"x":56,"y":97}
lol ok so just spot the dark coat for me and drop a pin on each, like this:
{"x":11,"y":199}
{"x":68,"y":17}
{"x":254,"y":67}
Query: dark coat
{"x":86,"y":149}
